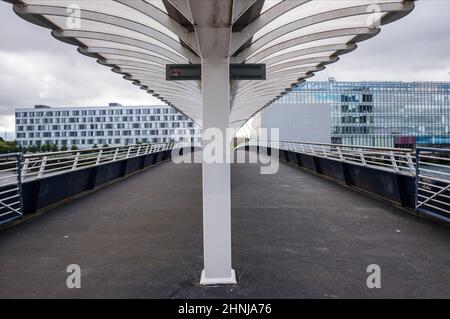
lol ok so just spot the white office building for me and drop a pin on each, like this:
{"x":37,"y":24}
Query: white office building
{"x":112,"y":125}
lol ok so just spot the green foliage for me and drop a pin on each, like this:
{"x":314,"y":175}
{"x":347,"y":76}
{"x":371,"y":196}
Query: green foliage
{"x":33,"y":149}
{"x":64,"y":148}
{"x":74,"y":148}
{"x":54,"y":148}
{"x":45,"y":148}
{"x":8,"y":147}
{"x":105,"y":146}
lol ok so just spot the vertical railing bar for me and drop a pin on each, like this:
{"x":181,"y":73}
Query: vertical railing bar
{"x":75,"y":161}
{"x":25,"y":168}
{"x":116,"y":154}
{"x":417,"y":176}
{"x":19,"y":181}
{"x":324,"y":152}
{"x":99,"y":157}
{"x":340,"y":154}
{"x":363,"y":159}
{"x":393,"y":161}
{"x":410,"y":163}
{"x":42,"y":167}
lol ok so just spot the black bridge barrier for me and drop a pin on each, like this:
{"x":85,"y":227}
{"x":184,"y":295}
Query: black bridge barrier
{"x":391,"y":186}
{"x":41,"y":193}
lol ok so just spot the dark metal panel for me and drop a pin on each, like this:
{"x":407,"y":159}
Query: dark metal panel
{"x":159,"y":157}
{"x":333,"y":169}
{"x":308,"y":162}
{"x":56,"y":188}
{"x":107,"y":173}
{"x":133,"y":165}
{"x":376,"y":181}
{"x":407,"y":188}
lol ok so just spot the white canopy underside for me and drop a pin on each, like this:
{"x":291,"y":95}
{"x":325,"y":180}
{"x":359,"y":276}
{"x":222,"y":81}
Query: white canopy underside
{"x":137,"y":38}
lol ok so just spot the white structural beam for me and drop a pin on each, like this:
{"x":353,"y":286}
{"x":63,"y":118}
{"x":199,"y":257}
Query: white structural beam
{"x":216,"y":176}
{"x":213,"y":28}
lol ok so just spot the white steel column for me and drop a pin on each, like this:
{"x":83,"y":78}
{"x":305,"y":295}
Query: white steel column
{"x":216,"y":176}
{"x":212,"y":24}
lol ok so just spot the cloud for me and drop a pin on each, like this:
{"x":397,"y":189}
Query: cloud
{"x":414,"y":48}
{"x":37,"y":69}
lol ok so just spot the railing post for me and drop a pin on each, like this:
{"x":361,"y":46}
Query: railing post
{"x":416,"y":197}
{"x":129,"y":152}
{"x":19,"y":181}
{"x":324,"y":152}
{"x":75,"y":161}
{"x":393,"y":161}
{"x":42,"y":167}
{"x":312,"y":149}
{"x":116,"y":154}
{"x":25,"y":168}
{"x":410,"y":163}
{"x":99,"y":157}
{"x":138,"y":151}
{"x":341,"y":157}
{"x":147,"y":149}
{"x":361,"y":156}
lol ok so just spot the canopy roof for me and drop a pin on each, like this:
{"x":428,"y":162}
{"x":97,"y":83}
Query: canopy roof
{"x":137,"y":38}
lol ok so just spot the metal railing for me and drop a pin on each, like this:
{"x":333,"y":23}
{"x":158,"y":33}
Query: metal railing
{"x":10,"y":188}
{"x":433,"y":182}
{"x":46,"y":164}
{"x":396,"y":160}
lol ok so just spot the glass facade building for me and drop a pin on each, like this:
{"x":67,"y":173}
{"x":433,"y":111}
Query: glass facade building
{"x":382,"y":114}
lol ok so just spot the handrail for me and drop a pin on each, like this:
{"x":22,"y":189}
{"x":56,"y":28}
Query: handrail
{"x":86,"y":150}
{"x":40,"y":165}
{"x":401,"y":161}
{"x":406,"y":150}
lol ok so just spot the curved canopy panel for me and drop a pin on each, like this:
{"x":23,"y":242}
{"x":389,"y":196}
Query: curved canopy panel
{"x":137,"y":38}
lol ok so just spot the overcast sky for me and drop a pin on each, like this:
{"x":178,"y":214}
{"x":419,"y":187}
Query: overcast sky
{"x":37,"y":69}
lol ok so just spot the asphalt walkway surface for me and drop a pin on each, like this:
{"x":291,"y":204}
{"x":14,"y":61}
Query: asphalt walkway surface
{"x":295,"y":235}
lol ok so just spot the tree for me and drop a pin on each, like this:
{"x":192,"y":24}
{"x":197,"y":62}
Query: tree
{"x":32,"y":149}
{"x":8,"y":147}
{"x":45,"y":148}
{"x":105,"y":146}
{"x":54,"y":148}
{"x":64,"y":148}
{"x":74,"y":148}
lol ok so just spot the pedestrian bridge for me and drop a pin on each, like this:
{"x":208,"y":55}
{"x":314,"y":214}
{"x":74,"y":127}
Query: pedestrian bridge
{"x":295,"y":234}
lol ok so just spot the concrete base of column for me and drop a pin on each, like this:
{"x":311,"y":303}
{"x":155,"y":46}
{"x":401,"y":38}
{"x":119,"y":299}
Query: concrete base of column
{"x":219,"y":281}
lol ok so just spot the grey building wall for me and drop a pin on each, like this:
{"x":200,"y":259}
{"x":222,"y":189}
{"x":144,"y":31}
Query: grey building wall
{"x":114,"y":125}
{"x":299,"y":122}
